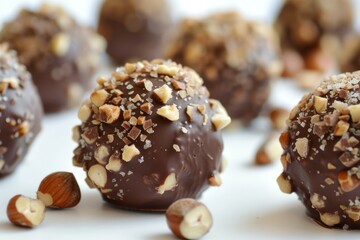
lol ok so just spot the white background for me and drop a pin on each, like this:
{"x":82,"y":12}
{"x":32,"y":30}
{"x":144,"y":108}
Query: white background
{"x":249,"y":204}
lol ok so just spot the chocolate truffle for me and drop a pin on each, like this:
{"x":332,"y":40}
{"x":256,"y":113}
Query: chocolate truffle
{"x":134,"y":29}
{"x":312,"y":33}
{"x":321,"y":152}
{"x":236,"y":58}
{"x":20,"y":111}
{"x":61,"y":55}
{"x":150,"y":135}
{"x":350,"y":57}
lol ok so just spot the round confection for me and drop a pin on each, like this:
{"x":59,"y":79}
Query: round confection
{"x":61,"y":55}
{"x":150,"y":135}
{"x":235,"y":57}
{"x":134,"y":29}
{"x":321,"y":152}
{"x":315,"y":30}
{"x":350,"y":56}
{"x":20,"y":111}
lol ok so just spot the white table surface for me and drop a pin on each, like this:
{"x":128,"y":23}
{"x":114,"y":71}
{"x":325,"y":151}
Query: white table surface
{"x":247,"y":205}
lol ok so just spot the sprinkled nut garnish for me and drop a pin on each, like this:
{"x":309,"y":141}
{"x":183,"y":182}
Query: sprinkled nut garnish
{"x":109,"y":113}
{"x":355,"y":112}
{"x":169,"y":184}
{"x":220,"y":121}
{"x":99,"y":97}
{"x":189,"y":219}
{"x":341,"y":128}
{"x":320,"y":104}
{"x":101,"y":154}
{"x":302,"y":146}
{"x":129,"y":152}
{"x":84,"y":113}
{"x":284,"y":184}
{"x":114,"y":163}
{"x":215,"y":180}
{"x":169,"y":111}
{"x":163,"y":93}
{"x":330,"y":219}
{"x":24,"y":128}
{"x":97,"y":174}
{"x":60,"y":44}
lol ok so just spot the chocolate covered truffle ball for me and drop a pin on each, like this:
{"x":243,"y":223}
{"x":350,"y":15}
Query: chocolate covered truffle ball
{"x":236,"y":58}
{"x":134,"y":29}
{"x":312,"y":33}
{"x":60,"y":54}
{"x":20,"y":111}
{"x":150,"y":135}
{"x":321,"y":152}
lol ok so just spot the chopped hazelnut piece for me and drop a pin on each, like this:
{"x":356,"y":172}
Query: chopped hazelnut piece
{"x":341,"y":128}
{"x":169,"y":184}
{"x":114,"y":163}
{"x":284,"y":184}
{"x":84,"y":113}
{"x":101,"y":154}
{"x":215,"y":180}
{"x":302,"y":146}
{"x":99,"y":97}
{"x":109,"y":113}
{"x":320,"y":104}
{"x":163,"y":93}
{"x":220,"y":120}
{"x":60,"y":44}
{"x":148,"y":85}
{"x":24,"y":128}
{"x":169,"y":111}
{"x":147,"y":108}
{"x":98,"y":175}
{"x":129,"y":152}
{"x":170,"y":71}
{"x":355,"y":112}
{"x":330,"y":219}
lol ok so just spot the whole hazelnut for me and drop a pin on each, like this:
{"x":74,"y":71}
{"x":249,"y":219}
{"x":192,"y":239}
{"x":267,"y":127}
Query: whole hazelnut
{"x":59,"y":190}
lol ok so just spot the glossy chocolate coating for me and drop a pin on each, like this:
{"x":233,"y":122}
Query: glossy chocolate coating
{"x":321,"y":152}
{"x":236,"y":58}
{"x":61,"y":55}
{"x":307,"y":26}
{"x":134,"y":29}
{"x":20,"y":111}
{"x":189,"y":146}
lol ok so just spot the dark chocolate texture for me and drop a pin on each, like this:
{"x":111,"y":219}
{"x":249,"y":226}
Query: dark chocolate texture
{"x":150,"y":135}
{"x":20,"y":111}
{"x":61,"y":55}
{"x":134,"y":29}
{"x":236,"y":58}
{"x":321,"y":152}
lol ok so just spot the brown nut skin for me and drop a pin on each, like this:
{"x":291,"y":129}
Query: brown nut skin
{"x":134,"y":29}
{"x":20,"y":111}
{"x":186,"y":227}
{"x":321,"y":152}
{"x":236,"y":65}
{"x":59,"y":190}
{"x":147,"y":164}
{"x":25,"y":212}
{"x":60,"y":54}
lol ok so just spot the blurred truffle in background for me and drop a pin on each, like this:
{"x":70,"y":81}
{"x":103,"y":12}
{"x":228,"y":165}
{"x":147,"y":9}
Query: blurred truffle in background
{"x":350,"y":57}
{"x":236,"y":58}
{"x":20,"y":111}
{"x":60,"y":54}
{"x":134,"y":29}
{"x":312,"y":34}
